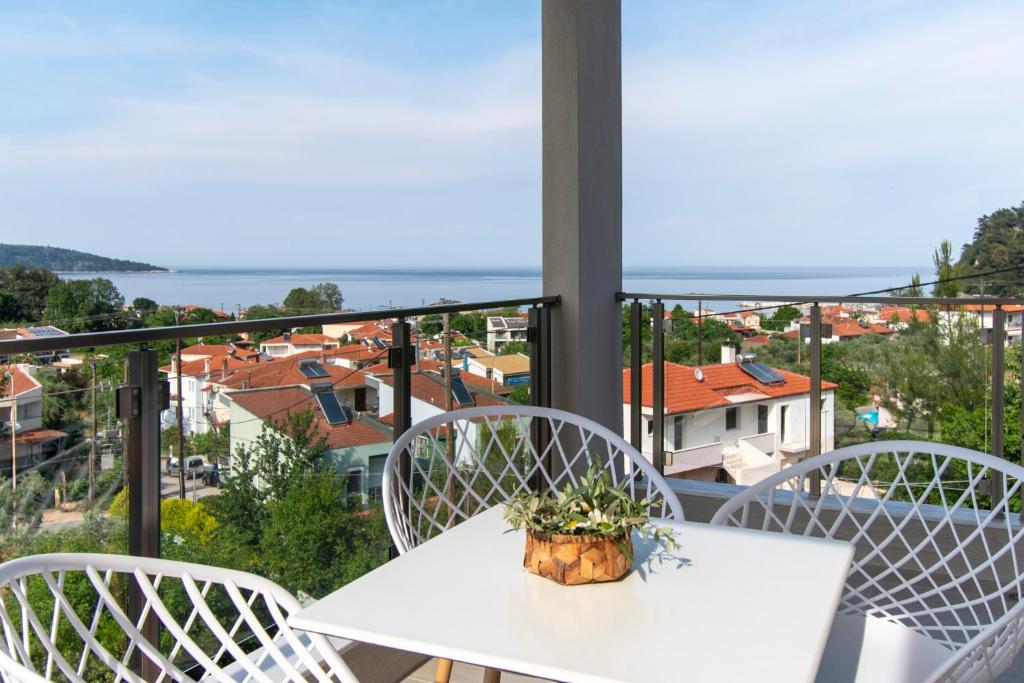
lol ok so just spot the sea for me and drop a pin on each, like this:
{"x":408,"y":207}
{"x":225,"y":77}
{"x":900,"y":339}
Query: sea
{"x":368,"y":289}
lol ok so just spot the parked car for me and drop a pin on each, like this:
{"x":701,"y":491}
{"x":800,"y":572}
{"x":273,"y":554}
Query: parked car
{"x":193,"y":463}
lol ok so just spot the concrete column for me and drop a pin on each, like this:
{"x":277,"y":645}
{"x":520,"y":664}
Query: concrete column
{"x":582,"y":203}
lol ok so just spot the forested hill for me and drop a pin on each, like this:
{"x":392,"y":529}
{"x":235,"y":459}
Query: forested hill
{"x":998,"y":245}
{"x":67,"y":260}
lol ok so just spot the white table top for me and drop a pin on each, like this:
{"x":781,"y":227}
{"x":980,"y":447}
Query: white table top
{"x":730,"y":605}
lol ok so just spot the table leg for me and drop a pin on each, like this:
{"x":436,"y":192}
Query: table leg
{"x":444,"y":671}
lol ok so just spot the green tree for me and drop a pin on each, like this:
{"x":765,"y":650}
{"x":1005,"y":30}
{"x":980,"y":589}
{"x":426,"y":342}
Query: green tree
{"x":141,"y":304}
{"x":10,"y":309}
{"x":781,"y":318}
{"x":509,"y":348}
{"x":520,"y":394}
{"x":913,"y":289}
{"x":85,"y":305}
{"x":316,"y":538}
{"x":947,"y":271}
{"x":30,"y":288}
{"x":321,"y":298}
{"x":998,"y":244}
{"x":283,"y":453}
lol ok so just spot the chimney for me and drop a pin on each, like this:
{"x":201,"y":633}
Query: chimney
{"x":174,"y":365}
{"x":287,"y":336}
{"x":206,"y":365}
{"x":728,"y":353}
{"x":223,"y":369}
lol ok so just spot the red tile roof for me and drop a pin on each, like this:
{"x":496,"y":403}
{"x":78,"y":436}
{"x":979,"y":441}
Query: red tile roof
{"x":198,"y":368}
{"x":275,"y":404}
{"x":218,"y":350}
{"x":285,"y":372}
{"x":429,"y":387}
{"x":684,"y":394}
{"x":22,"y":381}
{"x":852,"y":328}
{"x":302,"y":339}
{"x":903,"y":314}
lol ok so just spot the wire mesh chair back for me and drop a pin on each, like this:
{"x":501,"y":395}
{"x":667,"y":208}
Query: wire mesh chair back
{"x":66,"y":617}
{"x":932,"y":551}
{"x":455,"y":465}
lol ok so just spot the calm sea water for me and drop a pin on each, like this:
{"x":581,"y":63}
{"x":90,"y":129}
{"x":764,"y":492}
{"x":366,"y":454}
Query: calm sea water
{"x":377,"y":288}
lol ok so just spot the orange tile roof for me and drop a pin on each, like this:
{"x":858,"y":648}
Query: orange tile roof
{"x":684,"y":394}
{"x":302,"y":339}
{"x":21,"y":380}
{"x":429,"y":388}
{"x":852,"y":328}
{"x":198,"y":368}
{"x":286,"y":373}
{"x":904,"y":314}
{"x":275,"y":404}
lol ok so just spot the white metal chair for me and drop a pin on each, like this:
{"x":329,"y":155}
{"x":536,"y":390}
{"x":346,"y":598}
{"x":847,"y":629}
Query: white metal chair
{"x":492,"y":457}
{"x":934,"y":591}
{"x":64,"y":616}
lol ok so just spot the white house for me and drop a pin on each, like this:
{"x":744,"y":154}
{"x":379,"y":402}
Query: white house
{"x":22,"y":398}
{"x":291,"y":343}
{"x":509,"y":370}
{"x":357,"y":447}
{"x":501,"y":331}
{"x":736,"y":421}
{"x":198,"y":393}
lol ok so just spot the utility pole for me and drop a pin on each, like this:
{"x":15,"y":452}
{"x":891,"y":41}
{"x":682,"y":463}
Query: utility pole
{"x":179,"y":411}
{"x":92,"y":448}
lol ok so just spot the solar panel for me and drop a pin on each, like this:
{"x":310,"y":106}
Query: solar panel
{"x":332,"y":409}
{"x":48,"y":331}
{"x":378,"y":343}
{"x":312,"y":370}
{"x":461,"y":393}
{"x":762,"y":373}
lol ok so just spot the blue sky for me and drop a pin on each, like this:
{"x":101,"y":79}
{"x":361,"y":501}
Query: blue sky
{"x":408,"y":133}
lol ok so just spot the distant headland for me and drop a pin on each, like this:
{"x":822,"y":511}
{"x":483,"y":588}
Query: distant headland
{"x":68,"y":260}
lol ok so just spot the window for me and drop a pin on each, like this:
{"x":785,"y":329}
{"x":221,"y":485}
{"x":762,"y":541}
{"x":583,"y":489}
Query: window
{"x":762,"y":419}
{"x":354,"y":485}
{"x":650,"y":427}
{"x":677,"y":433}
{"x":732,"y":418}
{"x":783,"y":412}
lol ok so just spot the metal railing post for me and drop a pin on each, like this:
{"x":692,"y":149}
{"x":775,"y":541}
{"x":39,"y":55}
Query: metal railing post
{"x":658,"y":385}
{"x":400,"y":361}
{"x":815,"y":412}
{"x":139,"y":405}
{"x":998,"y":397}
{"x":539,"y":337}
{"x":636,"y":365}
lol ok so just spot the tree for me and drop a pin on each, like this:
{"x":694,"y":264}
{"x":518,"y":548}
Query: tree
{"x":283,"y":453}
{"x":946,"y":271}
{"x":85,"y":305}
{"x":509,"y":348}
{"x":520,"y":394}
{"x":781,"y":318}
{"x":998,"y":245}
{"x":316,"y":538}
{"x":320,"y":298}
{"x":10,"y":310}
{"x":913,"y":289}
{"x":29,"y":287}
{"x":61,"y":397}
{"x":141,"y":304}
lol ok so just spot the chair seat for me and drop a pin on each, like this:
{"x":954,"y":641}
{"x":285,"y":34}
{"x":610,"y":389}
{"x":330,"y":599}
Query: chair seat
{"x":868,"y":649}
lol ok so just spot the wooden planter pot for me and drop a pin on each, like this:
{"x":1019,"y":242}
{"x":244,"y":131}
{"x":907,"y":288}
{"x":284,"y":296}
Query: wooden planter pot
{"x":574,"y":560}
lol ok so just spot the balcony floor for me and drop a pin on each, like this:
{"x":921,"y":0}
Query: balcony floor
{"x":464,"y":673}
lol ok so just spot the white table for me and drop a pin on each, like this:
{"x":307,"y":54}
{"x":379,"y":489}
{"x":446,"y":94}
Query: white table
{"x":731,"y":605}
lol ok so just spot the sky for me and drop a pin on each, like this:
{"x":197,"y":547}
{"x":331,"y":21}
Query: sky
{"x":407,"y":133}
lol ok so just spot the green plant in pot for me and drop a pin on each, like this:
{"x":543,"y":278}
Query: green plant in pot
{"x":583,"y":534}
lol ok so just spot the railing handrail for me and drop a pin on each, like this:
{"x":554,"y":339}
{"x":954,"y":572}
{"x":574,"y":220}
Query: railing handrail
{"x":146,"y":335}
{"x":826,"y":299}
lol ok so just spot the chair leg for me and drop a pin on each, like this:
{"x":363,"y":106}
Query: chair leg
{"x":492,"y":676}
{"x":444,"y":671}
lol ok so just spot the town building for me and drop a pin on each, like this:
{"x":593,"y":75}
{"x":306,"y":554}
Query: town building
{"x":291,"y":343}
{"x":510,"y":370}
{"x":43,"y":357}
{"x":501,"y":330}
{"x":21,"y":411}
{"x":737,"y":421}
{"x":357,"y":445}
